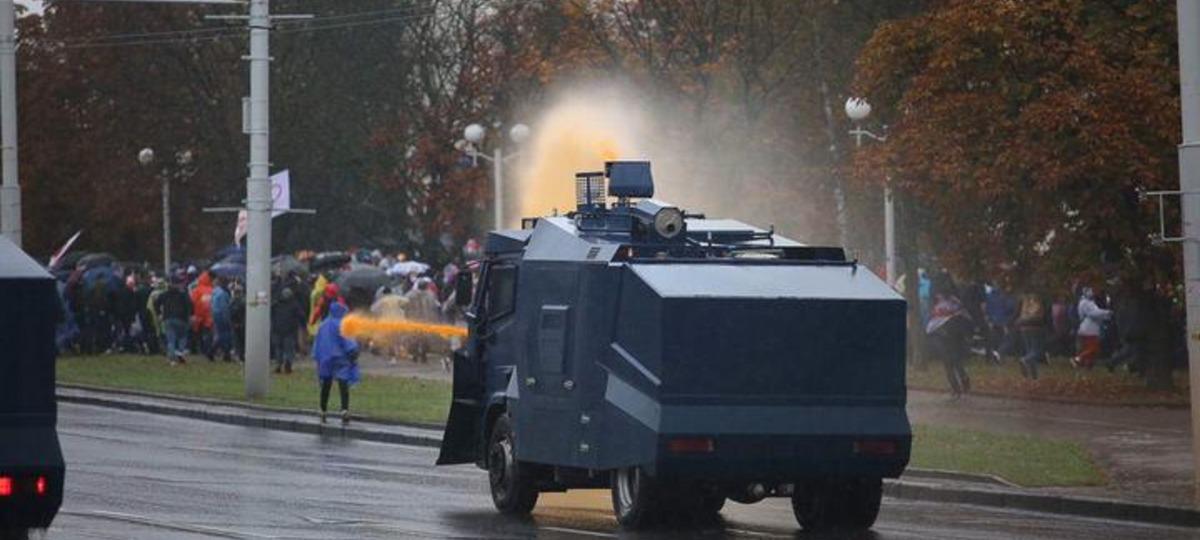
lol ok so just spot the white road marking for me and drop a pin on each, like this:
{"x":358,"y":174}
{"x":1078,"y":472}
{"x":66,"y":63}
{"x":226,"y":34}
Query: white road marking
{"x":148,"y":521}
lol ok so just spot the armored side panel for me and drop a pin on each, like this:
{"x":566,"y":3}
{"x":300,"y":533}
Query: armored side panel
{"x":566,"y":308}
{"x":29,"y":446}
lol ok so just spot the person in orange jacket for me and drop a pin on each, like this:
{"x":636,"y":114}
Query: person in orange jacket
{"x":202,"y":320}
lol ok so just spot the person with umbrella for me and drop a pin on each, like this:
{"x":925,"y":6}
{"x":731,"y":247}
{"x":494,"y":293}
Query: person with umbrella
{"x":337,"y":358}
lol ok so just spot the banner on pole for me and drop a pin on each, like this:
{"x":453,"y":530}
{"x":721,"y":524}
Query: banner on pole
{"x":281,"y":193}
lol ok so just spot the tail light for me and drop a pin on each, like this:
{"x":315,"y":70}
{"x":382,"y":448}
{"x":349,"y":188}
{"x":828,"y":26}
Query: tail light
{"x":875,"y":447}
{"x":691,"y":445}
{"x":39,"y":485}
{"x":6,"y":486}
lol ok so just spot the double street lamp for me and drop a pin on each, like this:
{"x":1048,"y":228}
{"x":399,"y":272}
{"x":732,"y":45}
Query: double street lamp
{"x":473,"y":136}
{"x":183,"y":159}
{"x":857,"y":109}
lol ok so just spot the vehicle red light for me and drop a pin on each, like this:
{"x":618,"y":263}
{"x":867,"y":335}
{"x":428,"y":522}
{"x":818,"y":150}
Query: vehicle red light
{"x":39,"y":486}
{"x":694,"y":445}
{"x":6,"y":486}
{"x":875,"y":447}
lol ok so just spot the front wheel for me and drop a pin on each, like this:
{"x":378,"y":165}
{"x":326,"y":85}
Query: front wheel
{"x":513,"y":490}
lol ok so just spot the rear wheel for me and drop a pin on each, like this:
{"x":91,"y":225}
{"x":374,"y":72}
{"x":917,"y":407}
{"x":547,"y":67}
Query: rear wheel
{"x":851,"y":504}
{"x":861,"y":503}
{"x":635,"y":498}
{"x":513,"y":490}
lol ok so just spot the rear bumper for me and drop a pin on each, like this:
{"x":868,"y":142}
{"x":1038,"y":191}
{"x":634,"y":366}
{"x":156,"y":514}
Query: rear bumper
{"x":34,"y":453}
{"x":781,"y":458}
{"x":756,"y":441}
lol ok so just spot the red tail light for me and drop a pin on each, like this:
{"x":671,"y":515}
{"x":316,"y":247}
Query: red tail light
{"x":39,"y":486}
{"x":693,"y":445}
{"x":6,"y":486}
{"x":875,"y":447}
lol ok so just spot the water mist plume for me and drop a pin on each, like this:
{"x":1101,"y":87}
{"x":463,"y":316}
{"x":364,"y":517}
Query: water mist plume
{"x":579,"y":132}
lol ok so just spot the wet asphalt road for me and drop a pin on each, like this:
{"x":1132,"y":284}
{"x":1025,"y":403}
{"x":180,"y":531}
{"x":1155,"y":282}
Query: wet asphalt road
{"x":142,"y":476}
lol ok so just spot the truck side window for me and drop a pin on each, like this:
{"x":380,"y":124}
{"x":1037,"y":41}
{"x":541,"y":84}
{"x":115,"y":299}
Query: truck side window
{"x":502,"y":291}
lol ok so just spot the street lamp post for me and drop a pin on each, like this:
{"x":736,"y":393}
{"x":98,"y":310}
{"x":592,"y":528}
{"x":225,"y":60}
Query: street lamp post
{"x":146,"y":158}
{"x":858,"y":109}
{"x":474,"y":134}
{"x":183,"y":159}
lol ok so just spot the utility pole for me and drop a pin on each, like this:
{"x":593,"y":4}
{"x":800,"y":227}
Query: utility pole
{"x":258,"y":206}
{"x":10,"y":189}
{"x":1189,"y":187}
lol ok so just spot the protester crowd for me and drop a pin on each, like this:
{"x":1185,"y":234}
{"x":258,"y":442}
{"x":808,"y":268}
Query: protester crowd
{"x":200,"y":309}
{"x":1086,"y":325}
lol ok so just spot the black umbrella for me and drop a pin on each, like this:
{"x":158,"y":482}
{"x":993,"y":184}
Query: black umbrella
{"x":95,"y":260}
{"x":367,"y":278}
{"x":228,"y":269}
{"x":287,"y":264}
{"x":328,"y":260}
{"x":71,"y":259}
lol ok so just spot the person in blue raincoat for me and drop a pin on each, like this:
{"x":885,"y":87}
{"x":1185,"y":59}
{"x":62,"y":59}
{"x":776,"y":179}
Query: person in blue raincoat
{"x":337,"y":358}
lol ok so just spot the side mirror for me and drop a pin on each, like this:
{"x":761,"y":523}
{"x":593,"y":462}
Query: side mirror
{"x":464,"y":289}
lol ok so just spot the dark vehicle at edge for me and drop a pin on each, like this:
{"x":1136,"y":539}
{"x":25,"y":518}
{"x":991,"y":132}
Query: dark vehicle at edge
{"x":31,"y":461}
{"x":680,"y":361}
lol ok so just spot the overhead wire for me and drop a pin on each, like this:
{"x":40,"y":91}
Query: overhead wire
{"x":220,"y":33}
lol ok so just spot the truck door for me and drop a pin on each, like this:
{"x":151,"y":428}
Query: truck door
{"x":481,"y":366}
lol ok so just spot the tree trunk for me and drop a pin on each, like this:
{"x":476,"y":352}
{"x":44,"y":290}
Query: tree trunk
{"x":1159,"y":342}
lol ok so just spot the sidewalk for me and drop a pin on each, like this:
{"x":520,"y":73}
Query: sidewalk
{"x":1145,"y":451}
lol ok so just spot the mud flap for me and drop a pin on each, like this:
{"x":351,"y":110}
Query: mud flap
{"x":461,"y":442}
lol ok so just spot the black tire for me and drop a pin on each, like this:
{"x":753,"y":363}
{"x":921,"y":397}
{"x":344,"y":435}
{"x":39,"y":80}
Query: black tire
{"x":511,"y":481}
{"x":813,"y":506}
{"x":688,"y":504}
{"x":860,"y":504}
{"x":851,"y":504}
{"x":635,"y":498}
{"x":14,"y":534}
{"x":712,"y":504}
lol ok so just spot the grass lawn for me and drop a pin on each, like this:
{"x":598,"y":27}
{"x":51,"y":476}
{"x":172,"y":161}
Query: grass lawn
{"x":1023,"y":460}
{"x":1028,"y":461}
{"x":1058,"y":381}
{"x":391,"y":398}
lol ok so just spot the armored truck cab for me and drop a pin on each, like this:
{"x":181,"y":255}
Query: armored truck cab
{"x":31,"y":461}
{"x":679,"y":360}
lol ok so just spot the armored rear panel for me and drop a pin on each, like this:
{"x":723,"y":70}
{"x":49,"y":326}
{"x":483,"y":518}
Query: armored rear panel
{"x":29,"y":444}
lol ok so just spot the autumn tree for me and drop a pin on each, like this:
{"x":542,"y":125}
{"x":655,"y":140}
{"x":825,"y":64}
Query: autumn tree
{"x":1025,"y":130}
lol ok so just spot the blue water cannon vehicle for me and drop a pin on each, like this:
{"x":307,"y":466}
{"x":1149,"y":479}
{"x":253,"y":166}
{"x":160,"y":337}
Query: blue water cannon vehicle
{"x":681,"y":361}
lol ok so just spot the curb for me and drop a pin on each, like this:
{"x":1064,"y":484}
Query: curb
{"x":994,"y":491}
{"x":282,"y":424}
{"x":1051,"y":504}
{"x":235,"y":404}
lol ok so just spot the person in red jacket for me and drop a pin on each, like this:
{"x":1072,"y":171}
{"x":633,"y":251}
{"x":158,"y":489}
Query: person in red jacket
{"x":202,"y":320}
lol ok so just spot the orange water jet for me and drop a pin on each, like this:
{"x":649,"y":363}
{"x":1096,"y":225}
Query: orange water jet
{"x":356,"y":326}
